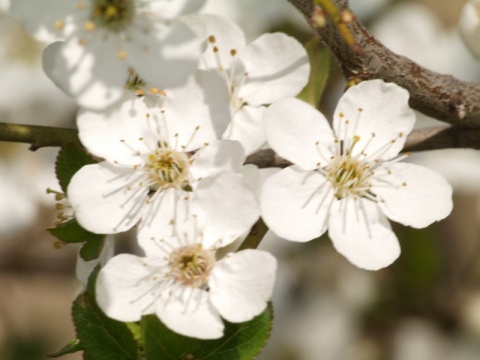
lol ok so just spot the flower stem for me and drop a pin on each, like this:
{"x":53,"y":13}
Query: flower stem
{"x":38,"y":136}
{"x":255,"y":236}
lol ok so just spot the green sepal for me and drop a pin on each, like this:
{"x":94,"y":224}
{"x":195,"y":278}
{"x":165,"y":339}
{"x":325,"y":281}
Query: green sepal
{"x":73,"y":346}
{"x":242,"y":341}
{"x":71,"y":232}
{"x":70,"y":159}
{"x":102,"y":338}
{"x":319,"y":70}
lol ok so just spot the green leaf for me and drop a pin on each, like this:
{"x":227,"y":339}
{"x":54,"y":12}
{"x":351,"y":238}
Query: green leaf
{"x":73,"y":346}
{"x":71,"y":232}
{"x":102,"y":338}
{"x":241,"y":341}
{"x":70,"y":159}
{"x":92,"y":248}
{"x":319,"y":70}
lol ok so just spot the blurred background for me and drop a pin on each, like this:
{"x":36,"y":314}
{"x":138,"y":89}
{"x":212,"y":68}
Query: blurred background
{"x":425,"y":306}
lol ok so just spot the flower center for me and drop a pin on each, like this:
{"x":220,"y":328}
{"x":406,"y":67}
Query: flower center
{"x":349,"y":175}
{"x":191,"y":265}
{"x":115,"y":15}
{"x":168,"y":168}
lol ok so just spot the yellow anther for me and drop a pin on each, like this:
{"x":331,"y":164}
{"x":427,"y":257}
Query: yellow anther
{"x":233,"y":52}
{"x":59,"y":24}
{"x":122,"y":54}
{"x":89,"y":26}
{"x":211,"y":39}
{"x":111,"y":11}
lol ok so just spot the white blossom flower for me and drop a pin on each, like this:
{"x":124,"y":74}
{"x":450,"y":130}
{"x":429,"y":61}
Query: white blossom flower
{"x":160,"y":155}
{"x":469,"y":25}
{"x":181,"y":281}
{"x":104,"y":38}
{"x":270,"y":68}
{"x":349,"y":180}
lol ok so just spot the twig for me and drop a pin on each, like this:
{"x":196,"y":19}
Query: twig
{"x":440,"y":96}
{"x":38,"y":136}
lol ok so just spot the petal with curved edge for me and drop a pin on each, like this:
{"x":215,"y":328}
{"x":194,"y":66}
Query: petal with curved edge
{"x":164,"y":54}
{"x":87,"y":69}
{"x":413,"y":195}
{"x":226,"y":208}
{"x":107,"y":199}
{"x":167,"y":220}
{"x":197,"y":112}
{"x":120,"y":133}
{"x":172,"y":9}
{"x":361,"y":233}
{"x":126,"y":286}
{"x":190,"y":313}
{"x":295,"y":204}
{"x":84,"y":268}
{"x":378,"y":108}
{"x":220,"y":156}
{"x":227,"y":36}
{"x":247,"y":128}
{"x":242,"y":283}
{"x":46,"y":20}
{"x":299,"y":133}
{"x":277,"y":67}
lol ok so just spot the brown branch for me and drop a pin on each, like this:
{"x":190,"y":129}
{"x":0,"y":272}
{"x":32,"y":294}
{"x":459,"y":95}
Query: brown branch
{"x":38,"y":136}
{"x":434,"y":138}
{"x":440,"y":96}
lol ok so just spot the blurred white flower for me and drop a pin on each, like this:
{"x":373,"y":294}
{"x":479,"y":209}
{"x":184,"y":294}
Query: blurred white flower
{"x":469,"y":25}
{"x":349,"y":180}
{"x":103,"y":39}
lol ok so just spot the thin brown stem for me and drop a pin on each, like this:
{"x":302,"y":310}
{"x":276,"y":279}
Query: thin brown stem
{"x":38,"y":136}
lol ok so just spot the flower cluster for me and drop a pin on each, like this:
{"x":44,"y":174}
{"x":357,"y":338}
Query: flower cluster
{"x":172,"y":105}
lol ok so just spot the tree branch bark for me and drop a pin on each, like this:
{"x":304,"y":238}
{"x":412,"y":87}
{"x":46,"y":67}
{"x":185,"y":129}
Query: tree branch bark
{"x":440,"y":96}
{"x":38,"y":136}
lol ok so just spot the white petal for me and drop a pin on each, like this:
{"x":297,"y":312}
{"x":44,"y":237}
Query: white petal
{"x":242,"y":283}
{"x":247,"y":128}
{"x":102,"y":201}
{"x":191,"y":314}
{"x":469,"y":25}
{"x":295,"y":203}
{"x":83,"y":269}
{"x":166,"y":219}
{"x":196,"y":113}
{"x":119,"y":134}
{"x":220,"y":156}
{"x":227,"y":208}
{"x":164,"y":54}
{"x":361,"y":233}
{"x":299,"y":133}
{"x":227,"y":36}
{"x":256,"y":177}
{"x":92,"y":73}
{"x":277,"y":67}
{"x":125,"y":288}
{"x":40,"y":17}
{"x":172,"y":9}
{"x":426,"y":197}
{"x":384,"y":112}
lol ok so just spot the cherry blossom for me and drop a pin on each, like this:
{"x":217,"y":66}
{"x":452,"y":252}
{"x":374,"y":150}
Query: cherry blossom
{"x":181,"y":281}
{"x":100,"y":40}
{"x":161,"y":154}
{"x":349,"y":179}
{"x":270,"y":68}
